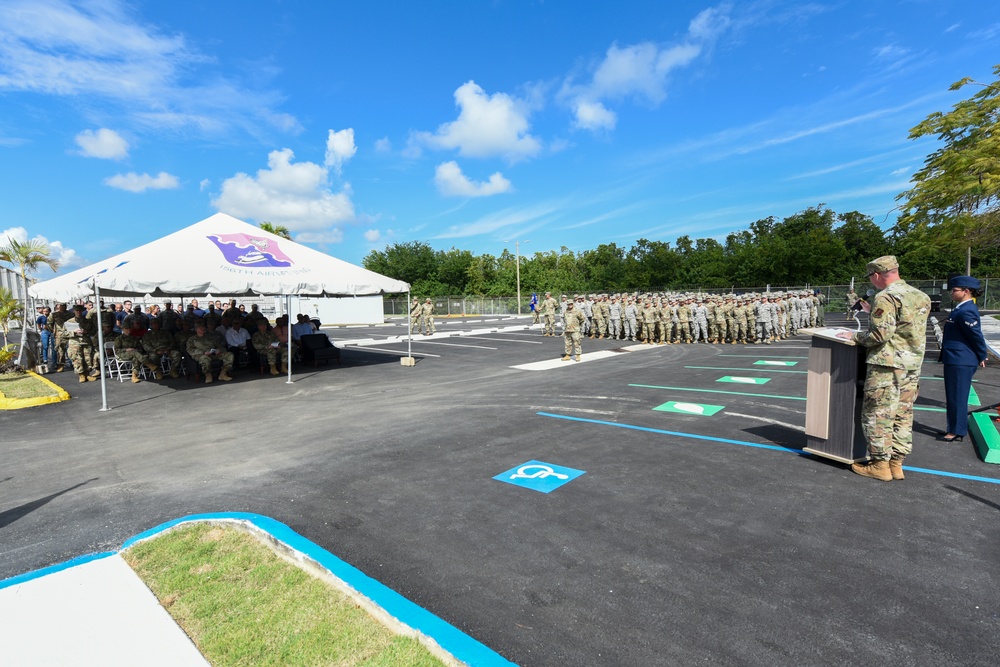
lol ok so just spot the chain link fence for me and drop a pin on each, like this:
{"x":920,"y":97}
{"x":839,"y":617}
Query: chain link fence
{"x":836,"y":296}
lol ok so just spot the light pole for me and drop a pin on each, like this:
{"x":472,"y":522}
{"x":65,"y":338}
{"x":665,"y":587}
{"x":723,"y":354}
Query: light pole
{"x":517,"y":270}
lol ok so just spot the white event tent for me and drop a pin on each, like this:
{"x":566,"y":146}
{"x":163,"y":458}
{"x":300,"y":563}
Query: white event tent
{"x":219,"y":255}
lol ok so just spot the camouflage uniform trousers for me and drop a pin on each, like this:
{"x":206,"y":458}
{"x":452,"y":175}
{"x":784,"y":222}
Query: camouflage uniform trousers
{"x":135,"y":357}
{"x":614,"y":330}
{"x":572,"y":343}
{"x":271,"y":354}
{"x":61,"y":349}
{"x":81,"y":355}
{"x":550,"y":323}
{"x":630,"y":328}
{"x":887,"y":410}
{"x":415,"y":322}
{"x":204,"y":361}
{"x":173,"y":355}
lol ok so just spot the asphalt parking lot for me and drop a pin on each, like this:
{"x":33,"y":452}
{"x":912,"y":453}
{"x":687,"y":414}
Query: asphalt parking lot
{"x":688,"y":528}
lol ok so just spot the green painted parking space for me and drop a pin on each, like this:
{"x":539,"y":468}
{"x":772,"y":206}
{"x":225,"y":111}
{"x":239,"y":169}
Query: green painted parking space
{"x":743,"y":380}
{"x":690,"y":408}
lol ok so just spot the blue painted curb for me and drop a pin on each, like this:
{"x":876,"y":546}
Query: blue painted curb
{"x":460,"y":645}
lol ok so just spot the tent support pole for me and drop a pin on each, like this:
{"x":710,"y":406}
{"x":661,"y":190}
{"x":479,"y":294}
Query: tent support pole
{"x":288,"y":318}
{"x":409,"y":327}
{"x":100,"y":347}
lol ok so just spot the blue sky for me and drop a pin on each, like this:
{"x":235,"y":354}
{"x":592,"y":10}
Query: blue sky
{"x":466,"y":124}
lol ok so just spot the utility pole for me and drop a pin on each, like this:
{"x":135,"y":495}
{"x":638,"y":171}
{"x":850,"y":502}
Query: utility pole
{"x":517,"y":270}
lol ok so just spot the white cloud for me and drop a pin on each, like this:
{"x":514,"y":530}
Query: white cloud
{"x":383,"y":145}
{"x":372,"y":235}
{"x":487,"y":126}
{"x":99,"y":51}
{"x":332,"y":235}
{"x":134,"y":182}
{"x":594,"y":116}
{"x":103,"y":143}
{"x":639,"y":71}
{"x":339,"y":148}
{"x":204,"y":184}
{"x":294,"y":194}
{"x":451,"y":182}
{"x":66,"y":257}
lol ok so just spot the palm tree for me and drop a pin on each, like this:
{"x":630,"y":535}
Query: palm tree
{"x":27,"y":257}
{"x":10,"y":308}
{"x":277,"y":230}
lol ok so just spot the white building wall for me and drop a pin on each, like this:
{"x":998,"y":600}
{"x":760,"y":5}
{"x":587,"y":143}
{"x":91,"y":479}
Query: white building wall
{"x":332,"y":311}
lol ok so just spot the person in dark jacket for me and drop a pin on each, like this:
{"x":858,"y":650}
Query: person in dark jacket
{"x":963,"y":350}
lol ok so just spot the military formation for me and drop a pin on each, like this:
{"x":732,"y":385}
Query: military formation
{"x":676,"y":318}
{"x":160,"y":340}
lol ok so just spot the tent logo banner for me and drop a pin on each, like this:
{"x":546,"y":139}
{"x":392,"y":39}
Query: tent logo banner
{"x":246,"y":250}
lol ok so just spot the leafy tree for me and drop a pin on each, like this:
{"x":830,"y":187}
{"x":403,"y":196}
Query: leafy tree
{"x":453,"y":269}
{"x":414,"y":262}
{"x":27,"y":257}
{"x":277,"y":230}
{"x":957,"y":192}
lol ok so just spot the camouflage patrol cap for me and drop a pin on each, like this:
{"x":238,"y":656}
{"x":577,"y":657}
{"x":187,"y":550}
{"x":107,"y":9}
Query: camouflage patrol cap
{"x":882,"y":264}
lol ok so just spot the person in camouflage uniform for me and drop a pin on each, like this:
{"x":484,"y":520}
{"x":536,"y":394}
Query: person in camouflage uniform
{"x":740,"y":322}
{"x":428,"y":312}
{"x":268,"y":346}
{"x":80,"y":348}
{"x":614,"y":318}
{"x":158,"y":343}
{"x":549,"y":306}
{"x":684,"y":321}
{"x":60,"y":337}
{"x":203,"y":349}
{"x":416,"y":315}
{"x":631,"y":313}
{"x":895,"y":342}
{"x":129,"y":348}
{"x":572,"y":326}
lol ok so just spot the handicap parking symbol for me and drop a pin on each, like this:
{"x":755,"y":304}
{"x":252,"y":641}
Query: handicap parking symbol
{"x":539,"y":476}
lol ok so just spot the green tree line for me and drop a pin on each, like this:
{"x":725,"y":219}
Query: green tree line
{"x":816,"y":246}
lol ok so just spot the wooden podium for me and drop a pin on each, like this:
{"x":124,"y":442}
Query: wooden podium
{"x":832,"y":408}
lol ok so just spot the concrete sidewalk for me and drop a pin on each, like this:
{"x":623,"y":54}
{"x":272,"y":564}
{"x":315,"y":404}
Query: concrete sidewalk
{"x":96,"y":612}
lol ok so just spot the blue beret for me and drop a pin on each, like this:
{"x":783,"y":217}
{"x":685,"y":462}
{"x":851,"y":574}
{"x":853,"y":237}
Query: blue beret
{"x":965,"y":282}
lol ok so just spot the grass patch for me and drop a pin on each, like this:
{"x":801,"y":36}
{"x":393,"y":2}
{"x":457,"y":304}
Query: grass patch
{"x":23,"y":385}
{"x":243,"y":605}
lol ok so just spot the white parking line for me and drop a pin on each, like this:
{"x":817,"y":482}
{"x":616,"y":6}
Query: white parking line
{"x":367,"y":348}
{"x":434,"y":342}
{"x":511,"y":340}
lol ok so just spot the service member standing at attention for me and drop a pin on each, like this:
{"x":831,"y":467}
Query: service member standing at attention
{"x":963,"y":350}
{"x":895,"y":343}
{"x":429,"y":317}
{"x":574,"y":319}
{"x":416,"y":314}
{"x":549,"y":313}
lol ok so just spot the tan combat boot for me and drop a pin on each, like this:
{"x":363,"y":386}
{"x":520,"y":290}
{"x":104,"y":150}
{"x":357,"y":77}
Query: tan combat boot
{"x":173,"y":372}
{"x":157,"y":373}
{"x":577,"y":358}
{"x":896,"y":467}
{"x":224,"y":375}
{"x":283,"y":367}
{"x":274,"y":369}
{"x":874,"y":469}
{"x":135,"y":377}
{"x":83,"y":378}
{"x":208,"y":378}
{"x":566,"y":358}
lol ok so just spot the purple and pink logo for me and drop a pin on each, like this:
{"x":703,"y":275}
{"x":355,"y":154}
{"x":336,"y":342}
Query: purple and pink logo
{"x":246,"y":250}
